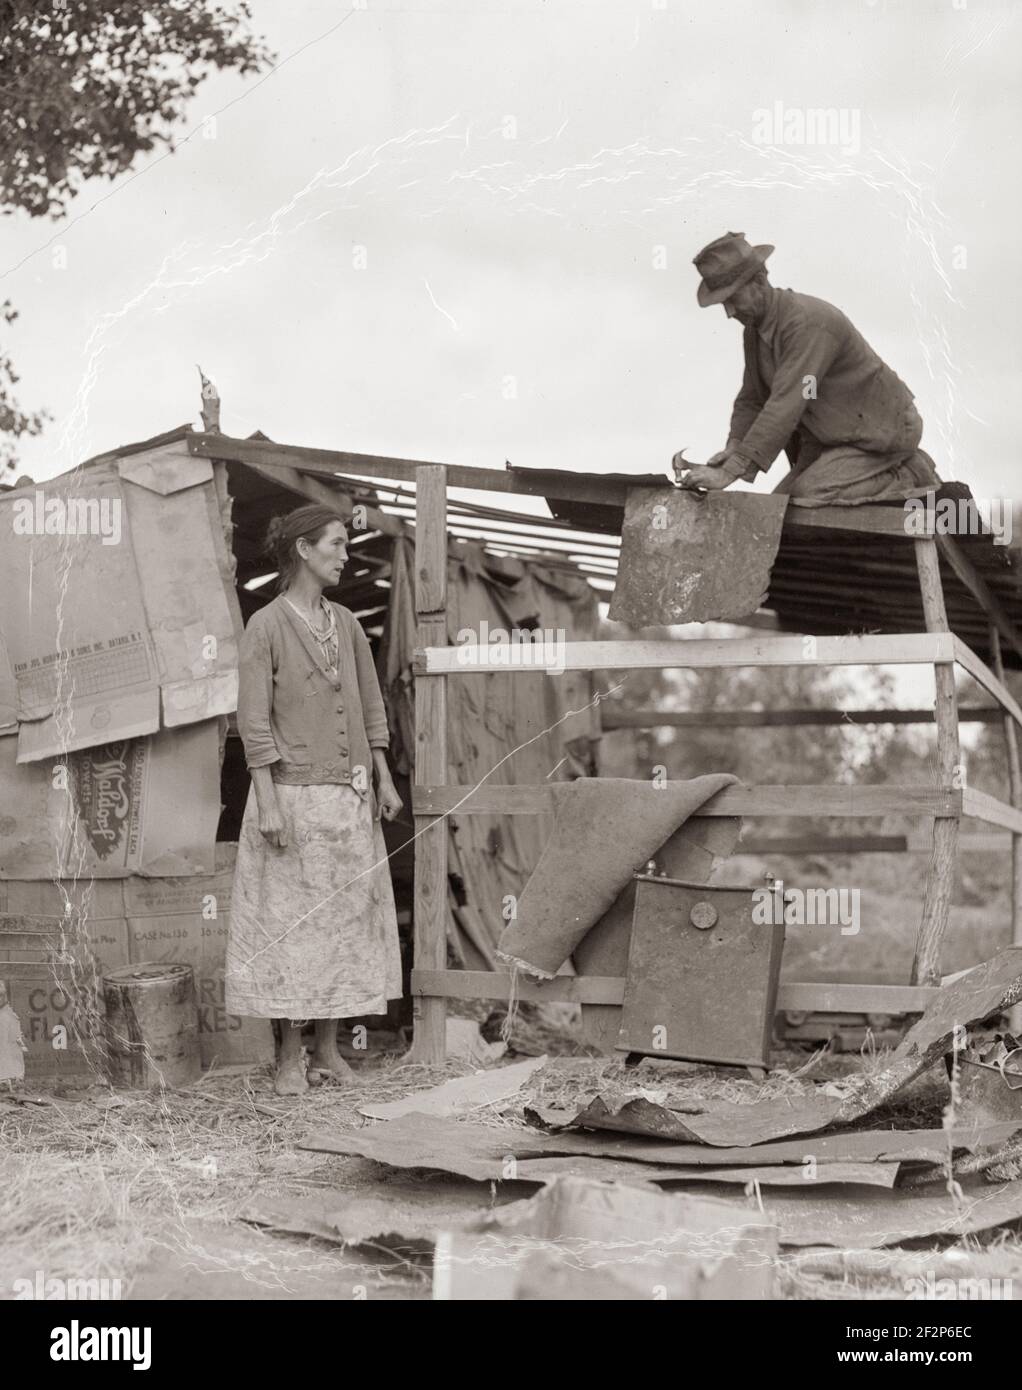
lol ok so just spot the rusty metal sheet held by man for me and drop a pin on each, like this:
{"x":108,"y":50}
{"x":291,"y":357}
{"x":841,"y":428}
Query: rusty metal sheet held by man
{"x":694,"y":558}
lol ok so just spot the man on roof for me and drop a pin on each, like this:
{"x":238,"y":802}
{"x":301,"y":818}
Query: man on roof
{"x":813,"y":387}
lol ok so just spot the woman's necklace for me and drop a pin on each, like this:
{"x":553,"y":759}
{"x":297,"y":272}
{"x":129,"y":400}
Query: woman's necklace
{"x":327,"y":639}
{"x":322,"y":609}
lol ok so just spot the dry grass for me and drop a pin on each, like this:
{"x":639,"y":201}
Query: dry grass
{"x":99,"y":1183}
{"x":94,"y":1176}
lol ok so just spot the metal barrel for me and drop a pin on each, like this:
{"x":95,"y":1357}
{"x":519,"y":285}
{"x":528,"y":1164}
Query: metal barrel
{"x":152,"y":1026}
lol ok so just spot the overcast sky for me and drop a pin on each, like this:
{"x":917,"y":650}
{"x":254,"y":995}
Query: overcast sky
{"x":465,"y":232}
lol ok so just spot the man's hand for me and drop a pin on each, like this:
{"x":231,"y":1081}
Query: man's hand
{"x":718,"y":472}
{"x":682,"y":465}
{"x":706,"y":477}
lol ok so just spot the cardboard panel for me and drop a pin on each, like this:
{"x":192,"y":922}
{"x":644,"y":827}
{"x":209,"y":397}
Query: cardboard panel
{"x":182,"y":590}
{"x":8,"y":693}
{"x":119,"y":614}
{"x":48,"y":970}
{"x":147,"y":806}
{"x":53,"y":978}
{"x":186,"y":920}
{"x":73,"y":620}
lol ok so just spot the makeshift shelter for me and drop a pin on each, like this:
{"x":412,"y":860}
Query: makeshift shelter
{"x":122,"y":778}
{"x":115,"y":699}
{"x":878,"y":591}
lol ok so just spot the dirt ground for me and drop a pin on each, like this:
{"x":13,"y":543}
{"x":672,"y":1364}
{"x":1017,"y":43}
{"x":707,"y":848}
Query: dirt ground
{"x":157,"y":1190}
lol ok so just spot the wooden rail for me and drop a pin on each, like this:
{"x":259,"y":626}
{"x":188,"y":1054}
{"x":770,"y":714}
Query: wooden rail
{"x":612,"y":717}
{"x":607,"y":989}
{"x":943,"y":857}
{"x":429,"y":899}
{"x":886,"y":649}
{"x":434,"y":798}
{"x":808,"y":800}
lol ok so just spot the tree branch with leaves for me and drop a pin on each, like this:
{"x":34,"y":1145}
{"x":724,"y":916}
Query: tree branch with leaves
{"x":86,"y":88}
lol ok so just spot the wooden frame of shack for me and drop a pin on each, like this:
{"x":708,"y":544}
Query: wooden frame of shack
{"x":949,"y":601}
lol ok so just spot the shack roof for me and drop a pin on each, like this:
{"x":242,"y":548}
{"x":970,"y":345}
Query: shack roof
{"x":837,"y":570}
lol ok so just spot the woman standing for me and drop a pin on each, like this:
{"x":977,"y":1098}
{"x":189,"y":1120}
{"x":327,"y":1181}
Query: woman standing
{"x":313,"y":930}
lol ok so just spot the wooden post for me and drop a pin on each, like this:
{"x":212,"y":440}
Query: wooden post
{"x":430,"y":892}
{"x":940,"y":876}
{"x":1015,"y":788}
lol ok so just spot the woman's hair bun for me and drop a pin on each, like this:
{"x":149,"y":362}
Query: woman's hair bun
{"x":274,"y":533}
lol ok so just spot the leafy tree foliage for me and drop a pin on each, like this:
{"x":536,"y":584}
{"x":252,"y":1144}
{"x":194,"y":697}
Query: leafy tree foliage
{"x":89,"y":86}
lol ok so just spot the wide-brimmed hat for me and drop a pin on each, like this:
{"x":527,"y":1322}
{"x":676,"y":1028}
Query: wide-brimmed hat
{"x":726,"y":264}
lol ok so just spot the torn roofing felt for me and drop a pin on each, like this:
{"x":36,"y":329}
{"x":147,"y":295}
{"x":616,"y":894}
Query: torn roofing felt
{"x":611,"y":825}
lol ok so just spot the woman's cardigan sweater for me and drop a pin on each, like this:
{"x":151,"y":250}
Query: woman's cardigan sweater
{"x":293,"y":715}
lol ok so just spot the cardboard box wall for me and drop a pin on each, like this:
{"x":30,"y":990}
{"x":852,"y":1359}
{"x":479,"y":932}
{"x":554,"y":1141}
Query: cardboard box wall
{"x":125,"y":921}
{"x":143,"y":806}
{"x":121,"y":630}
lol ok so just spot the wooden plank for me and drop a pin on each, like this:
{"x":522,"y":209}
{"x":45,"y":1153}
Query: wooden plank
{"x":529,"y":799}
{"x":981,"y":591}
{"x":533,"y":482}
{"x":583,"y":487}
{"x":911,"y":843}
{"x":911,"y":648}
{"x":984,"y":807}
{"x":609,"y":990}
{"x":824,"y":844}
{"x":317,"y":491}
{"x":429,"y":1044}
{"x":613,"y":718}
{"x":991,"y":843}
{"x":496,"y":984}
{"x":1015,"y":788}
{"x":876,"y":521}
{"x":944,"y":855}
{"x":852,"y":998}
{"x":981,"y":673}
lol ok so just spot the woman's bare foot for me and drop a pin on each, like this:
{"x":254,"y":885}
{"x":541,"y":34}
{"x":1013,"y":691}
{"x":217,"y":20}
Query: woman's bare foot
{"x":333,"y":1064}
{"x":326,"y":1056}
{"x":289,"y":1081}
